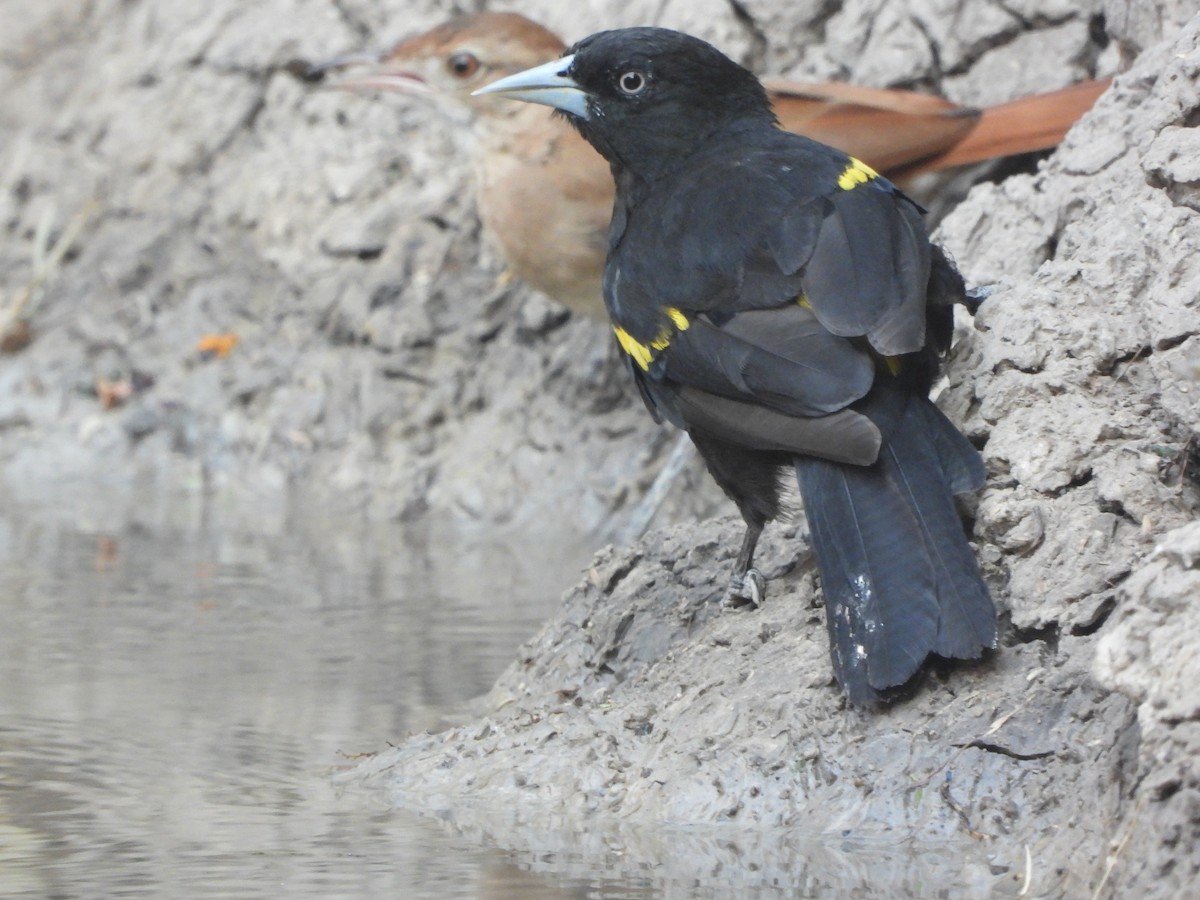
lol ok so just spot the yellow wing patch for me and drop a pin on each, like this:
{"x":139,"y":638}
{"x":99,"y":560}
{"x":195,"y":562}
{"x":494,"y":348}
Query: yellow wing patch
{"x":858,"y":172}
{"x":678,"y":318}
{"x":640,"y":352}
{"x":643,"y":354}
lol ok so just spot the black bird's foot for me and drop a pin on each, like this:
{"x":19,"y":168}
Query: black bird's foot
{"x":975,"y":296}
{"x":746,"y":590}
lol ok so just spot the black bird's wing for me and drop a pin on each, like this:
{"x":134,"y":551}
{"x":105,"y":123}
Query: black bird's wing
{"x":771,"y":379}
{"x":758,"y":294}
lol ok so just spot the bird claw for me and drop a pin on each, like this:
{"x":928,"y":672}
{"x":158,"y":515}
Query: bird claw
{"x":973,"y":299}
{"x":746,"y":590}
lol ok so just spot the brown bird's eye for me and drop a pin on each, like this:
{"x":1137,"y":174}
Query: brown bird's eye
{"x":463,"y":65}
{"x":632,"y":83}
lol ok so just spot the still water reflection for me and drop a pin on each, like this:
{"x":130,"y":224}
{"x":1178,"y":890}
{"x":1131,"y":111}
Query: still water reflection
{"x":182,"y":703}
{"x":175,"y":698}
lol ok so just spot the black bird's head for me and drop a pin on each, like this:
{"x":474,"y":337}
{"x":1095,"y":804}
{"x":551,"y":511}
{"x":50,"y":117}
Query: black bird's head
{"x":643,"y":97}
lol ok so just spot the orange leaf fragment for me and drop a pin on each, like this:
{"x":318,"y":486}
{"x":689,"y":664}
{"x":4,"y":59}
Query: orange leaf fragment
{"x":218,"y":345}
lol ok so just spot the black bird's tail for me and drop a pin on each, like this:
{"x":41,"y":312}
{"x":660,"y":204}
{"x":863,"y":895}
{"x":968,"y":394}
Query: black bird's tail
{"x":899,"y":579}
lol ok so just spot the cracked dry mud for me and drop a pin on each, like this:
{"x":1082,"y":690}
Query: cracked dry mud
{"x":384,"y":367}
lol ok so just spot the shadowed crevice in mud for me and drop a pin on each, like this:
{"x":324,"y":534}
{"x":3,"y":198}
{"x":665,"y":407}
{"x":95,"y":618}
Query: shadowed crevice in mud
{"x":1011,"y":754}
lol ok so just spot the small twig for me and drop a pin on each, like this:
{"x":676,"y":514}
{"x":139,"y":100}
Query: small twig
{"x":46,"y":261}
{"x":353,"y":757}
{"x":1130,"y":363}
{"x":1110,"y":862}
{"x":1001,"y":722}
{"x":1186,"y":454}
{"x":1028,"y":873}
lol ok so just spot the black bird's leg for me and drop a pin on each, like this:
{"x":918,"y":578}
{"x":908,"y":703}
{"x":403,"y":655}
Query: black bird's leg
{"x":750,"y":478}
{"x":747,"y":587}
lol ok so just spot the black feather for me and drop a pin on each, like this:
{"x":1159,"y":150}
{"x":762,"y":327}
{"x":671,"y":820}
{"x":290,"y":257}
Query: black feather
{"x":781,"y":358}
{"x":891,"y":549}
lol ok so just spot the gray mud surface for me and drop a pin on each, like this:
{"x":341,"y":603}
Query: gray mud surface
{"x":385,"y":367}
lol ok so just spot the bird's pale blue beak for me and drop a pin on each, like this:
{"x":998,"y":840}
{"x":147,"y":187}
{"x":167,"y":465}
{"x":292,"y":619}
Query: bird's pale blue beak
{"x":548,"y":85}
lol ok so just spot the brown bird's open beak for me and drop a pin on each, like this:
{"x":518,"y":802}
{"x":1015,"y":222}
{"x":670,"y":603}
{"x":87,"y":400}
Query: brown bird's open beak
{"x":377,"y":75}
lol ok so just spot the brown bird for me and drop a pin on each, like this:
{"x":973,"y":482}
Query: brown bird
{"x":545,"y":197}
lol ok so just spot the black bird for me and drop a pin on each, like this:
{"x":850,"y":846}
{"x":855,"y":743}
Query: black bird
{"x":782,"y":303}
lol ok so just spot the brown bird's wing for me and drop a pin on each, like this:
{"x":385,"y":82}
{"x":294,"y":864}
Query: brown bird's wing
{"x":887,"y":128}
{"x":1036,"y":122}
{"x":904,"y":133}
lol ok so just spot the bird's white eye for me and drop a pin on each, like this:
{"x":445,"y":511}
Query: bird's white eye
{"x":632,"y":83}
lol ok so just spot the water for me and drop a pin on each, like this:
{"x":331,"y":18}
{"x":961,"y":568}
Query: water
{"x":181,"y":699}
{"x":174,"y":702}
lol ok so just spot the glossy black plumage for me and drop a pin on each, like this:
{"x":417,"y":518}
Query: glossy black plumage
{"x":783,"y":304}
